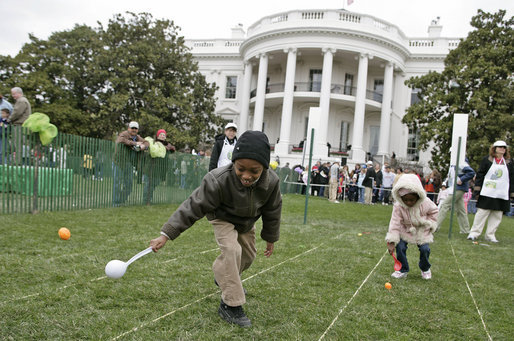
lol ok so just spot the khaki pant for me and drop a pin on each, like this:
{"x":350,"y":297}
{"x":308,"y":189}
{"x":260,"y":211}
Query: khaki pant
{"x":462,"y":215}
{"x":495,"y":218}
{"x":237,"y":254}
{"x":368,"y":195}
{"x":332,"y":189}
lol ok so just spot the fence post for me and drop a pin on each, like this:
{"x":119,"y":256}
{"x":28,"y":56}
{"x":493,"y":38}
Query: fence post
{"x":36,"y":175}
{"x":307,"y":190}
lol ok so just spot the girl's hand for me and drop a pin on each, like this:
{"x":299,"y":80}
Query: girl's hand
{"x":390,"y":248}
{"x":158,"y":242}
{"x":269,"y":249}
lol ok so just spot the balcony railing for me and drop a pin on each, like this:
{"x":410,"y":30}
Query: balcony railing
{"x":316,"y":87}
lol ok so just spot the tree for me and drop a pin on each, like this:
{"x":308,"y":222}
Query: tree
{"x":92,"y":82}
{"x":477,"y":80}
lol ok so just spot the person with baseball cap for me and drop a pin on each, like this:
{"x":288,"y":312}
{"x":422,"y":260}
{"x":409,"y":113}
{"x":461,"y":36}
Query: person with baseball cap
{"x":126,"y":155}
{"x":223,"y":147}
{"x":233,"y":198}
{"x":494,"y":186}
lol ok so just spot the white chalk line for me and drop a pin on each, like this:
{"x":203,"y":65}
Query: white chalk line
{"x":471,"y":293}
{"x":351,"y":299}
{"x":93,"y":280}
{"x":203,"y":298}
{"x":60,"y":288}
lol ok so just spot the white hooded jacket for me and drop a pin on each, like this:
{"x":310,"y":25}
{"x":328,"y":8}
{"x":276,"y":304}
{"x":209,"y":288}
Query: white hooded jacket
{"x":414,"y":224}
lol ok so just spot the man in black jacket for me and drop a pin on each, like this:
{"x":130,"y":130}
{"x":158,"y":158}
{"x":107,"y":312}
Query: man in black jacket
{"x":368,"y":182}
{"x":223,"y":146}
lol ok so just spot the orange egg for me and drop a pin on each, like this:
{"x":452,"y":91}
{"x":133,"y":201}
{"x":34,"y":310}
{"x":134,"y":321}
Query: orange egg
{"x":64,"y":233}
{"x":388,"y":286}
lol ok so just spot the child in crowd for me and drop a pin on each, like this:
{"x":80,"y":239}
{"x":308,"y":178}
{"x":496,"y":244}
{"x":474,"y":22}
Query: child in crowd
{"x":233,"y":197}
{"x":443,"y":194}
{"x":414,"y":220}
{"x":4,"y":124}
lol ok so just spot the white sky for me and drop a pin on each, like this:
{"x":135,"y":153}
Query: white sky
{"x":215,"y":18}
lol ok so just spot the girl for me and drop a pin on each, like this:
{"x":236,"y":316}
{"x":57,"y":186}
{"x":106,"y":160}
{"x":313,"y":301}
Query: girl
{"x":413,"y":220}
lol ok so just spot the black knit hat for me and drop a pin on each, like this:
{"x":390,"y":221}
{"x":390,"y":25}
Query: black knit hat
{"x":253,"y":145}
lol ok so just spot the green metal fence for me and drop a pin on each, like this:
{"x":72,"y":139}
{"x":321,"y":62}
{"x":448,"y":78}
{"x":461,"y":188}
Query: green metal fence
{"x":75,"y":172}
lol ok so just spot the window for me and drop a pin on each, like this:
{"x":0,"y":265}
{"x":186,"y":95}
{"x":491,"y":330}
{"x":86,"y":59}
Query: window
{"x":414,"y":96}
{"x":378,"y":90}
{"x":231,"y":88}
{"x":343,"y":139}
{"x":348,"y":84}
{"x":374,"y":135}
{"x":412,"y":145}
{"x":315,"y":80}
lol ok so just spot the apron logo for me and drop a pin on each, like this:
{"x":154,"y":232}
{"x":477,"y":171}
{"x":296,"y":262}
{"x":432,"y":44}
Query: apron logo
{"x":490,"y":184}
{"x":497,"y":174}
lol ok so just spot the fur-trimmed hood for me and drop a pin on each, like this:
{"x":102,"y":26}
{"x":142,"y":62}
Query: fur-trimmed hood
{"x":413,"y":184}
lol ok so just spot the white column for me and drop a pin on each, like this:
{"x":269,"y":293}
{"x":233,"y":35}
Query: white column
{"x":258,"y":115}
{"x":282,"y":148}
{"x":324,"y":101}
{"x":245,"y":98}
{"x":385,"y":116}
{"x":358,"y":153}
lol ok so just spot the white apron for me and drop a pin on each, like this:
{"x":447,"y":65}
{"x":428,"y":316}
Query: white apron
{"x":496,"y":181}
{"x":226,"y":153}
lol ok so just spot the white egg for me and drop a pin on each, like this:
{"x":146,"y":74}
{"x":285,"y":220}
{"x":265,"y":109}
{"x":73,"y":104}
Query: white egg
{"x":115,"y":269}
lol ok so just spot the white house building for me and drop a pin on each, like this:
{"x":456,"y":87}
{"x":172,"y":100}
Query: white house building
{"x":350,"y":66}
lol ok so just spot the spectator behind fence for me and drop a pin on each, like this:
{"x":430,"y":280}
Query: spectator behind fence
{"x":128,"y":150}
{"x":387,"y":184}
{"x":465,"y":174}
{"x":323,"y":177}
{"x":223,"y":147}
{"x":22,"y":109}
{"x":378,"y":183}
{"x":156,"y":169}
{"x":442,"y":195}
{"x":333,"y":182}
{"x":4,"y":141}
{"x":5,"y":105}
{"x":494,"y":186}
{"x":360,"y":181}
{"x":368,"y":182}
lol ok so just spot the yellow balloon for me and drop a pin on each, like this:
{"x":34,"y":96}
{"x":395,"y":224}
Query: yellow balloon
{"x":273,"y":165}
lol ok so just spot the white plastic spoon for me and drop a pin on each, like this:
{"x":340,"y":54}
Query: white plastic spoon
{"x":116,"y":268}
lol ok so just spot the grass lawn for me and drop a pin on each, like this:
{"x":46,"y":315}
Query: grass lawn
{"x":323,"y":281}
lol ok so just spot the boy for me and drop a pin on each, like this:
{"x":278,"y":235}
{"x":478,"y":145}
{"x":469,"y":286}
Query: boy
{"x":414,"y":220}
{"x":232,"y":198}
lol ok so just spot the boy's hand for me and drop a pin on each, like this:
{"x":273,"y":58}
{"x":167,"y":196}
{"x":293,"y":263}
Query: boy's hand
{"x":390,"y":248}
{"x":269,"y":249}
{"x":158,"y":242}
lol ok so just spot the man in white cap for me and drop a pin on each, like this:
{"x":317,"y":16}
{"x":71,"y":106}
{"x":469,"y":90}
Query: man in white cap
{"x":223,"y":147}
{"x":126,"y":155}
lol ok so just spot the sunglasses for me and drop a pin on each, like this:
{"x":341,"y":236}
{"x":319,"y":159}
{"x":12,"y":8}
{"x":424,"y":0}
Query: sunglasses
{"x":134,"y":128}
